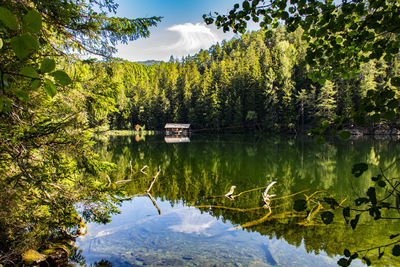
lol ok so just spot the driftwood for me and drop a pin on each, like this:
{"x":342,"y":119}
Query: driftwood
{"x":154,"y":179}
{"x":266,"y":197}
{"x":130,"y":165}
{"x":109,"y":180}
{"x":123,"y":181}
{"x":230,"y":193}
{"x":154,"y":202}
{"x":144,"y":167}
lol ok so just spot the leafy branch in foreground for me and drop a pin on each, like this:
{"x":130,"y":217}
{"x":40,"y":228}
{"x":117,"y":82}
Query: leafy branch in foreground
{"x":47,"y":163}
{"x":341,"y":36}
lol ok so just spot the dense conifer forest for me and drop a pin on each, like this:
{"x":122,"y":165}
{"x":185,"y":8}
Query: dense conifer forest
{"x":249,"y":83}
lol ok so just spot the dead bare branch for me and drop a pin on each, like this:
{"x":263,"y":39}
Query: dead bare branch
{"x":144,"y":167}
{"x":123,"y":181}
{"x":154,"y":202}
{"x":130,"y":164}
{"x":154,"y":179}
{"x":109,"y":180}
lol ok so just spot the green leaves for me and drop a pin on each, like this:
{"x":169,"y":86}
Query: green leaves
{"x":32,"y":22}
{"x":48,"y":65}
{"x":346,"y":214}
{"x":396,"y":250}
{"x":346,"y":262}
{"x":367,"y":260}
{"x":22,"y":95}
{"x":61,"y":77}
{"x":358,"y":169}
{"x":28,"y":71}
{"x":327,"y":217}
{"x":8,"y":19}
{"x":24,"y":44}
{"x":50,"y":88}
{"x":371,"y":193}
{"x":354,"y":221}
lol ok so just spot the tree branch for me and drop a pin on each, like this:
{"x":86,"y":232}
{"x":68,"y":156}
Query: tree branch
{"x":154,"y":179}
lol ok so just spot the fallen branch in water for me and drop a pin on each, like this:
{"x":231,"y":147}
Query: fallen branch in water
{"x":144,"y":167}
{"x":228,"y":208}
{"x":130,"y":165}
{"x":313,"y":194}
{"x":154,"y":202}
{"x":230,"y":193}
{"x":109,"y":180}
{"x":266,"y":197}
{"x":154,"y":179}
{"x":255,"y":222}
{"x":238,"y":195}
{"x":291,"y":195}
{"x":123,"y":181}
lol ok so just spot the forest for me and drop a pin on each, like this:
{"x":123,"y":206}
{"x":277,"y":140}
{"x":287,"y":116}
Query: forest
{"x":249,"y":83}
{"x":54,"y":96}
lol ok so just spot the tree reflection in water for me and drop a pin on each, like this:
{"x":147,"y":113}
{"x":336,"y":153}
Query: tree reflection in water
{"x":314,"y":183}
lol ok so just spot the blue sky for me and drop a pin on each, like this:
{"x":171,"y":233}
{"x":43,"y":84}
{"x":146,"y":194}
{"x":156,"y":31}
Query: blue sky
{"x":181,"y":32}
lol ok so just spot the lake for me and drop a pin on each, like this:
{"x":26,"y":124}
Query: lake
{"x":187,"y":221}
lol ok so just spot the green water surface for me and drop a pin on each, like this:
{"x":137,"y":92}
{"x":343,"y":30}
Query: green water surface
{"x":199,"y":227}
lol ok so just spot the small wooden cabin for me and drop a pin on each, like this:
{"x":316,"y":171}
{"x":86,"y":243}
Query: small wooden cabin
{"x":177,"y":129}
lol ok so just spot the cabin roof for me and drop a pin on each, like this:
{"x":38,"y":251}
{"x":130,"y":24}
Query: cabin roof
{"x":177,"y":125}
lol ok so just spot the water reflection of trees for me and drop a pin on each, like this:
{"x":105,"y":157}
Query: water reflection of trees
{"x":209,"y":165}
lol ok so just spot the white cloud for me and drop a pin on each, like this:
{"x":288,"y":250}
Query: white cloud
{"x":193,"y":37}
{"x":192,"y":221}
{"x":177,"y":40}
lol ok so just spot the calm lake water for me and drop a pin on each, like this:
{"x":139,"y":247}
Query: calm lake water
{"x":199,"y":227}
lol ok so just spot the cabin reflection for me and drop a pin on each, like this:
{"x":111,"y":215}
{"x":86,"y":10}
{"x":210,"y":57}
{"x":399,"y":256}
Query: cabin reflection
{"x":176,"y":139}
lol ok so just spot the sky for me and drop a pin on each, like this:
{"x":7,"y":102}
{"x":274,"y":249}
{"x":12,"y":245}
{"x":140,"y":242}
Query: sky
{"x":181,"y":31}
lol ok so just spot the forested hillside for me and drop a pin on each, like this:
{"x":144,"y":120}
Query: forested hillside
{"x":251,"y":82}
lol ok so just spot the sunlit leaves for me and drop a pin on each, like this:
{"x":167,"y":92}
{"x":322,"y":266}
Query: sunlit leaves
{"x":61,"y":77}
{"x":8,"y":18}
{"x":21,"y":94}
{"x":50,"y":88}
{"x":1,"y":43}
{"x":47,"y":65}
{"x":24,"y":44}
{"x":5,"y":104}
{"x":32,"y":22}
{"x":30,"y":72}
{"x":35,"y":84}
